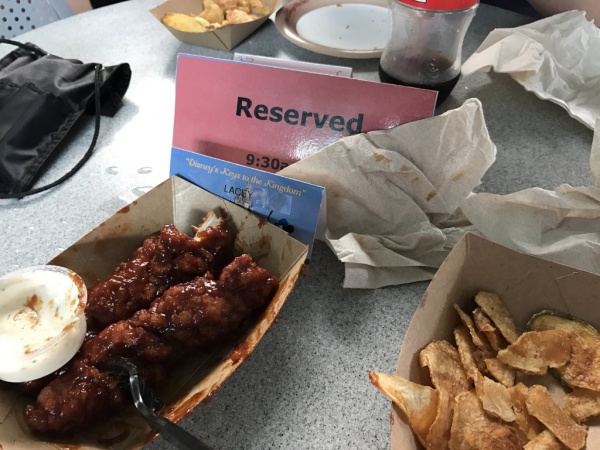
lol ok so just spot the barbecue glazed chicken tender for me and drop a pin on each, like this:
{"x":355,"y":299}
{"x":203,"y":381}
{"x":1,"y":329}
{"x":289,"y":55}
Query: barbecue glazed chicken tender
{"x":162,"y":261}
{"x":187,"y":317}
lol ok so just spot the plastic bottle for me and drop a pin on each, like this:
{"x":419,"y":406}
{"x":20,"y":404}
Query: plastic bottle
{"x":424,"y":48}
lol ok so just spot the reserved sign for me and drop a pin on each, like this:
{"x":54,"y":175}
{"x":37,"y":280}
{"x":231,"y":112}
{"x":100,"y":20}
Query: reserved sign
{"x":293,"y":117}
{"x":267,"y":117}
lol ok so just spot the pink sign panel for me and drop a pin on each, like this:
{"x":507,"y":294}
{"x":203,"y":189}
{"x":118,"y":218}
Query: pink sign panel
{"x":268,"y":117}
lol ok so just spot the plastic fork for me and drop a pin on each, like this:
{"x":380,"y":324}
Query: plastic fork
{"x":149,"y":405}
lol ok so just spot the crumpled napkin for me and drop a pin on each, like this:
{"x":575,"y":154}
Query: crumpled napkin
{"x":556,"y":58}
{"x":562,"y":226}
{"x":393,"y":195}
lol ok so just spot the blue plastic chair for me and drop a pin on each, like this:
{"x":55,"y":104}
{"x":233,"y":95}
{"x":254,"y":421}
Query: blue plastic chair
{"x":19,"y":16}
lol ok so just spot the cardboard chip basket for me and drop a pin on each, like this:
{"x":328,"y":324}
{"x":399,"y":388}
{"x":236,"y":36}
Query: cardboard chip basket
{"x":95,"y":255}
{"x":527,"y":284}
{"x":224,"y":38}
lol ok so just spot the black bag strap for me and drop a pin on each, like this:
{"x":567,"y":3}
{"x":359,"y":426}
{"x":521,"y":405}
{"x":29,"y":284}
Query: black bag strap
{"x":90,"y":150}
{"x":24,"y":46}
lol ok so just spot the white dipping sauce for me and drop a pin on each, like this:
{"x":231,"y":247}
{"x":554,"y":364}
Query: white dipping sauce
{"x":42,"y":321}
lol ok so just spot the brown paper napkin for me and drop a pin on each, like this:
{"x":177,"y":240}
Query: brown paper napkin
{"x":393,"y":195}
{"x":556,"y":58}
{"x":561,"y":225}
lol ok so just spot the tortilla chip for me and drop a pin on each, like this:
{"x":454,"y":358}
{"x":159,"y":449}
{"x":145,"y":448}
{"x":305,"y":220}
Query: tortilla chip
{"x":543,"y":407}
{"x":582,"y":404}
{"x":417,"y":402}
{"x":496,"y":310}
{"x":535,"y":351}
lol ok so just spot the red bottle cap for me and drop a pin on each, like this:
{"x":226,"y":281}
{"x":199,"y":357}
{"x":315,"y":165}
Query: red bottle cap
{"x":440,"y":5}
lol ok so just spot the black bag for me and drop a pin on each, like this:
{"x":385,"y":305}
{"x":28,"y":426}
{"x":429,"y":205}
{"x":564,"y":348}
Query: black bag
{"x":41,"y":97}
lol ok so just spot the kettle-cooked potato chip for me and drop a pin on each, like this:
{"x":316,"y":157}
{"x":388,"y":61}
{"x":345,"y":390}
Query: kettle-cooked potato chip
{"x":438,"y":435}
{"x":417,"y":402}
{"x":484,"y":324}
{"x":234,"y":16}
{"x":186,"y":22}
{"x":445,"y":368}
{"x":542,"y":406}
{"x":495,"y":399}
{"x":500,"y":371}
{"x":259,"y":8}
{"x":472,"y":427}
{"x":449,"y":378}
{"x":502,"y":438}
{"x":529,"y":425}
{"x":467,"y":353}
{"x":543,"y":441}
{"x":496,"y":310}
{"x":534,"y":351}
{"x":582,"y":403}
{"x":480,"y":342}
{"x":213,"y":13}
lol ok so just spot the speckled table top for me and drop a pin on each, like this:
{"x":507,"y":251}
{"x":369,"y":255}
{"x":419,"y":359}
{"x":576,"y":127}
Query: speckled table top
{"x":306,"y":385}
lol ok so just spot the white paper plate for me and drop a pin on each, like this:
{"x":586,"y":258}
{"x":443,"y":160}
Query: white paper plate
{"x":344,"y":28}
